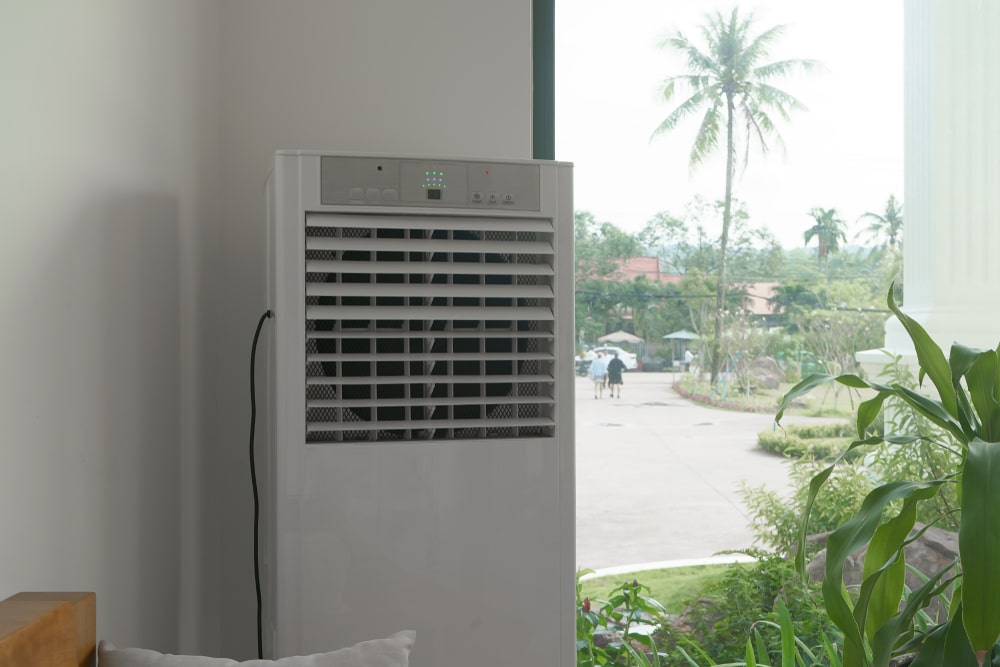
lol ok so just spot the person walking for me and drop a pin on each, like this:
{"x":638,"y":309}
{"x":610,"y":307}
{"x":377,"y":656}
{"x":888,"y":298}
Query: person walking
{"x":615,"y":369}
{"x":688,"y":358}
{"x":598,"y":368}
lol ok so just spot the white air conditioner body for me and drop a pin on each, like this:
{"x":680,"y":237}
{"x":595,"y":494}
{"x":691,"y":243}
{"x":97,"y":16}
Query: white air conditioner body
{"x":420,"y":408}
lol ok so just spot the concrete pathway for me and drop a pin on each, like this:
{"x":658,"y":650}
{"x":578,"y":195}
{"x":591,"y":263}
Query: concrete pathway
{"x":658,"y":476}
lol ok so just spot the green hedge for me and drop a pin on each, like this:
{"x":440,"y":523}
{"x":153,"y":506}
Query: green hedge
{"x":818,"y":441}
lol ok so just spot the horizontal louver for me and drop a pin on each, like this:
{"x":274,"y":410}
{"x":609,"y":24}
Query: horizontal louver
{"x":428,"y":328}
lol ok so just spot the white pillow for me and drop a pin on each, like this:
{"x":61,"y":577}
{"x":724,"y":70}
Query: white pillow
{"x":392,"y":651}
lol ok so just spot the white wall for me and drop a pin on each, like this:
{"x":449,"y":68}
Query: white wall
{"x":109,"y":166}
{"x":136,"y":137}
{"x":447,"y":77}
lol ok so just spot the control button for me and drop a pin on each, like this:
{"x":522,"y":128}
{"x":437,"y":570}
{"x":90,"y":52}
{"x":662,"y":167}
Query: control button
{"x":390,"y":194}
{"x":477,"y":197}
{"x":373,"y":194}
{"x":493,"y":198}
{"x":356,"y":193}
{"x":508,"y":198}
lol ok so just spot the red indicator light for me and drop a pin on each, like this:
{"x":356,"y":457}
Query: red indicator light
{"x":487,"y":172}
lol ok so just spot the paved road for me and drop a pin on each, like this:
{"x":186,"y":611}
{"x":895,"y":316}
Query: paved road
{"x":658,"y":476}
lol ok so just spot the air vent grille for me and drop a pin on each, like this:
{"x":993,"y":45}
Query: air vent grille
{"x":428,"y":329}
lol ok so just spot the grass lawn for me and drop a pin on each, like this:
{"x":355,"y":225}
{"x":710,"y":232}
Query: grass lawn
{"x":671,"y":587}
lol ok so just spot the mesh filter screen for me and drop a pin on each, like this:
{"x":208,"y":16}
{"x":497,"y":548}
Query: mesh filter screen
{"x":421,"y":329}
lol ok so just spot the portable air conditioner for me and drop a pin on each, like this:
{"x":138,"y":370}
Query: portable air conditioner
{"x":420,"y":411}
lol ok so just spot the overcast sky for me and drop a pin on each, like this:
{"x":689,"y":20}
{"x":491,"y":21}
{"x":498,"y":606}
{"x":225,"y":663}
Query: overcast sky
{"x":845,"y":152}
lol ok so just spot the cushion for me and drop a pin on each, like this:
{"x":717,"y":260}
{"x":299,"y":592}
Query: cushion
{"x":392,"y":651}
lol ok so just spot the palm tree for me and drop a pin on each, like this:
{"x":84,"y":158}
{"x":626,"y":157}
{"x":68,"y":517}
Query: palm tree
{"x":828,"y":229}
{"x":888,"y":225}
{"x":731,"y":82}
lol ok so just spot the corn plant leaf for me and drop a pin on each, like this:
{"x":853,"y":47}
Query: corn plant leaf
{"x":815,"y":484}
{"x":981,"y":378}
{"x":851,"y":536}
{"x":761,"y":646}
{"x":979,"y":544}
{"x":830,"y":650}
{"x":885,"y":566}
{"x":966,"y":414}
{"x":810,"y":382}
{"x":853,"y":381}
{"x":932,"y":652}
{"x":804,"y":386}
{"x":956,"y":600}
{"x":957,"y":650}
{"x":946,"y":646}
{"x":699,"y":651}
{"x":787,"y":630}
{"x":748,"y":656}
{"x":884,"y":569}
{"x":935,"y":411}
{"x":869,"y":410}
{"x":888,"y":637}
{"x":960,"y":359}
{"x":930,"y":357}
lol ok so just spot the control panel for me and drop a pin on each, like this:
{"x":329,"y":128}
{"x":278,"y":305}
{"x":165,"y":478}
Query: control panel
{"x":414,"y":182}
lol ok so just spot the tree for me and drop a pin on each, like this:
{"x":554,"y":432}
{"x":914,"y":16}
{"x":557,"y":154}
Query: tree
{"x":887,"y":225}
{"x":828,"y":230}
{"x":794,"y":300}
{"x":599,"y":246}
{"x":730,"y":81}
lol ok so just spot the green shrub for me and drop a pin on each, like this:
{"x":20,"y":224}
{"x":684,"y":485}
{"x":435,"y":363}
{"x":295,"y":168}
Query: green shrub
{"x":776,"y":521}
{"x":631,"y":611}
{"x":817,"y":441}
{"x":719,"y":623}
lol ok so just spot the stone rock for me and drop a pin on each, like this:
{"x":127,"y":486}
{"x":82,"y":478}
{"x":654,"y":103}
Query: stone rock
{"x":766,"y":372}
{"x":934,"y":550}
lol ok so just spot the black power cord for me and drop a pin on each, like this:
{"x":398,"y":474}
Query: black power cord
{"x":253,"y":483}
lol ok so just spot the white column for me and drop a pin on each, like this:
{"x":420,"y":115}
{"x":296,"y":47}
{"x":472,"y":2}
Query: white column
{"x":951,"y":175}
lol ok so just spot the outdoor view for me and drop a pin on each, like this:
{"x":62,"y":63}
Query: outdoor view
{"x":739,"y":225}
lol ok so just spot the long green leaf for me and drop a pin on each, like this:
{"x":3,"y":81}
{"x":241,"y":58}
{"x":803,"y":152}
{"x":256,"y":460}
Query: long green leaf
{"x":889,"y":635}
{"x":979,"y":544}
{"x":884,"y":569}
{"x":847,"y":539}
{"x":788,"y":650}
{"x":957,"y":650}
{"x":981,"y":379}
{"x":804,"y":386}
{"x":935,"y":411}
{"x":932,"y":652}
{"x":946,"y":646}
{"x":815,"y":484}
{"x":810,"y":382}
{"x":960,"y":359}
{"x":761,"y":646}
{"x":748,"y":653}
{"x":967,"y":415}
{"x":884,"y":562}
{"x":929,"y":356}
{"x":832,"y":655}
{"x":869,"y":410}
